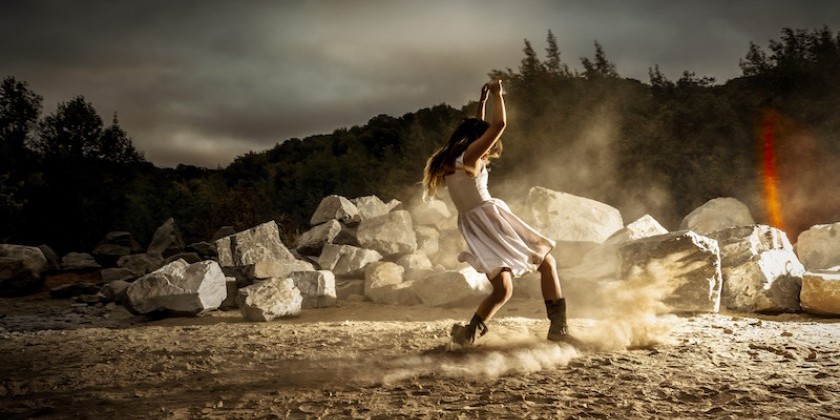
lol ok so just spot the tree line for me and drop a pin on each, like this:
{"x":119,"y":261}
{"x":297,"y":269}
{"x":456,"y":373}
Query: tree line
{"x":661,"y":147}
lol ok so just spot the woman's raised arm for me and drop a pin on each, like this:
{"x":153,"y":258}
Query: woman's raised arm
{"x":483,"y":144}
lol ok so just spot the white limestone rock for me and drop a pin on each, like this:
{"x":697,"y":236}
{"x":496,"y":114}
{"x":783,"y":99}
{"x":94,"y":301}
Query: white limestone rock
{"x":21,"y":269}
{"x":381,"y":274}
{"x":346,"y":260}
{"x":390,"y":234}
{"x":760,"y":271}
{"x":371,"y":206}
{"x":317,"y":288}
{"x":415,"y":261}
{"x":312,"y":241}
{"x":179,"y":289}
{"x":453,"y":288}
{"x":430,"y":213}
{"x":643,"y":227}
{"x":821,"y":292}
{"x":689,"y":263}
{"x":335,"y":207}
{"x":717,"y":214}
{"x":427,"y":240}
{"x":263,"y":270}
{"x":819,"y":247}
{"x":345,"y":288}
{"x":260,"y":243}
{"x":577,"y":224}
{"x":399,"y":294}
{"x":269,"y":300}
{"x":166,"y":239}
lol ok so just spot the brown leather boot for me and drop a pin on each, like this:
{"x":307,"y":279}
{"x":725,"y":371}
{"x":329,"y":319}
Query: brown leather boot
{"x":556,"y":310}
{"x":465,"y":335}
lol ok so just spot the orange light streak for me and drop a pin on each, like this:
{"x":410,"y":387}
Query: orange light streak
{"x":771,"y":191}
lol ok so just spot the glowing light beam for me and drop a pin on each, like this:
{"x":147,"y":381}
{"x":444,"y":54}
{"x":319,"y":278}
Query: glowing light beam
{"x":769,"y":176}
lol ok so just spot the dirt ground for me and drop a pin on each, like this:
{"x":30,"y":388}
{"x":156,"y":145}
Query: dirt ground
{"x":363,"y":360}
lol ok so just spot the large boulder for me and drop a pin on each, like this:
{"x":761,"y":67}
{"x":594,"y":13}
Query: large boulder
{"x":430,"y":213}
{"x":166,"y":239}
{"x":270,"y":300}
{"x":577,"y":224}
{"x":335,"y":207}
{"x":760,"y":271}
{"x":819,"y":246}
{"x":717,"y":214}
{"x":312,"y":241}
{"x":821,"y":292}
{"x":643,"y":227}
{"x":603,"y":261}
{"x":79,"y":261}
{"x":390,"y":234}
{"x":378,"y":276}
{"x":689,"y":263}
{"x":401,"y":294}
{"x":453,"y":288}
{"x":317,"y":288}
{"x":427,"y":240}
{"x":371,"y":206}
{"x":21,"y":269}
{"x":260,"y":243}
{"x":346,"y":260}
{"x":178,"y":289}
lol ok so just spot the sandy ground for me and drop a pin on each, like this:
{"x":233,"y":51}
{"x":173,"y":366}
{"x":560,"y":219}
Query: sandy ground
{"x":362,"y":360}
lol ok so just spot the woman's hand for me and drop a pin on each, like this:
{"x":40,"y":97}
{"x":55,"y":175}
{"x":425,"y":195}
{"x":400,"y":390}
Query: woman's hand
{"x":495,"y":87}
{"x":485,"y":89}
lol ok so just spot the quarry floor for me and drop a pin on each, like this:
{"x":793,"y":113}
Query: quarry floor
{"x":363,"y":360}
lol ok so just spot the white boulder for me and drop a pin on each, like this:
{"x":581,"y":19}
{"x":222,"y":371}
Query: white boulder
{"x":452,"y":288}
{"x":643,"y":227}
{"x":378,"y":275}
{"x":821,"y":292}
{"x":260,"y":243}
{"x":371,"y":206}
{"x":819,"y":247}
{"x":269,"y":300}
{"x":335,"y":207}
{"x":346,"y":260}
{"x":316,"y":287}
{"x":390,"y":234}
{"x":716,"y":214}
{"x":312,"y":241}
{"x":688,"y":263}
{"x":21,"y":269}
{"x":178,"y":288}
{"x":427,"y":240}
{"x":263,"y":270}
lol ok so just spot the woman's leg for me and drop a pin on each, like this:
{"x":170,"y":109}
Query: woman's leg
{"x":549,"y":280}
{"x":502,"y":290}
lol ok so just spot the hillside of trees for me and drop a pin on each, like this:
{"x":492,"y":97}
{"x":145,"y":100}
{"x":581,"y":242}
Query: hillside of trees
{"x":661,"y":147}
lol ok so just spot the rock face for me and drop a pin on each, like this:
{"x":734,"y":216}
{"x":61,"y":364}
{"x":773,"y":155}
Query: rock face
{"x":819,"y":247}
{"x":390,"y":234}
{"x":166,"y":240}
{"x":270,"y":300}
{"x":760,"y":270}
{"x":821,"y":292}
{"x":178,"y":289}
{"x":335,"y":207}
{"x":577,"y":224}
{"x":689,"y":263}
{"x":260,"y":243}
{"x":317,"y":288}
{"x":451,"y":288}
{"x":21,"y":269}
{"x":347,"y":260}
{"x":716,"y":214}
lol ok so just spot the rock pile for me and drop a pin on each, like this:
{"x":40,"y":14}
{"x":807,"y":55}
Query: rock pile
{"x":366,"y":249}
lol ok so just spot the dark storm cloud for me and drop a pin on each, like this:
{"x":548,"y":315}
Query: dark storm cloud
{"x":201,"y":82}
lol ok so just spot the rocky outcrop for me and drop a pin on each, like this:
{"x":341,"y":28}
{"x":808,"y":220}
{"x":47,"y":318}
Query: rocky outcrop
{"x":21,"y":269}
{"x":270,"y":300}
{"x":716,"y":214}
{"x":760,"y":271}
{"x":821,"y":292}
{"x":683,"y":261}
{"x":178,"y":289}
{"x":819,"y":247}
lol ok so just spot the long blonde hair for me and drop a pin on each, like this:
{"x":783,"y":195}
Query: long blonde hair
{"x":441,"y":161}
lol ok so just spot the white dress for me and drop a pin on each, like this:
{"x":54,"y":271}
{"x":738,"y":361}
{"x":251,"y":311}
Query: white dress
{"x":496,"y":237}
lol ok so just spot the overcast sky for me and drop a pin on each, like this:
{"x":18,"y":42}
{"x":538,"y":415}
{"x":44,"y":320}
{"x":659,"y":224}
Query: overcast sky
{"x":200,"y":82}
